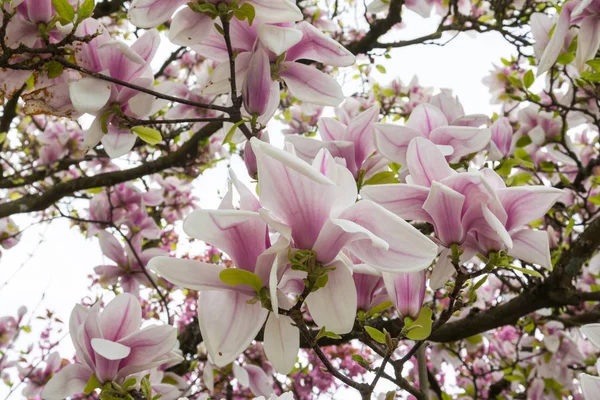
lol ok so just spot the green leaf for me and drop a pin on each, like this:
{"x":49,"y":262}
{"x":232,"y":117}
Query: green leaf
{"x":129,"y":383}
{"x":231,"y":132}
{"x":237,"y":276}
{"x":380,"y":68}
{"x":361,"y":361}
{"x":565,"y":58}
{"x":526,"y":271}
{"x":528,"y":79}
{"x":148,"y":135}
{"x":86,"y":9}
{"x":479,"y":283}
{"x":595,"y":64}
{"x":421,"y":327}
{"x":55,"y":69}
{"x":321,"y":281}
{"x":523,"y":141}
{"x":382,"y":178}
{"x":248,"y":11}
{"x":325,"y":333}
{"x":516,"y":82}
{"x":146,"y":387}
{"x":379,"y":308}
{"x":2,"y":137}
{"x":64,"y":10}
{"x":375,"y":334}
{"x":92,"y":384}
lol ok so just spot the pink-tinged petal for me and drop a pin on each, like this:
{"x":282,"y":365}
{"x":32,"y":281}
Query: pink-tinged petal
{"x":555,"y":45}
{"x":331,"y":129}
{"x":308,"y":84}
{"x":448,"y":104}
{"x":409,"y":250}
{"x":52,"y":100}
{"x":426,"y":163}
{"x":473,"y":120}
{"x":121,"y":317}
{"x":541,"y":25}
{"x":194,"y":274}
{"x":592,"y":333}
{"x":276,"y":11}
{"x":360,"y":131}
{"x":256,"y":89}
{"x":496,"y":226}
{"x":392,"y":141}
{"x":208,"y":376}
{"x":281,"y":343}
{"x":317,"y":46}
{"x":189,"y":27}
{"x":590,"y":386}
{"x":228,"y":324}
{"x":588,"y":40}
{"x":421,"y":7}
{"x":407,"y":291}
{"x":11,"y":82}
{"x":501,"y":140}
{"x":445,"y":205}
{"x":442,"y":271}
{"x":278,"y":39}
{"x":110,"y":350}
{"x":241,"y":375}
{"x":240,"y":234}
{"x":531,"y":246}
{"x":463,"y":139}
{"x":153,"y":197}
{"x":346,"y":190}
{"x":93,"y":135}
{"x":150,"y":347}
{"x":308,"y":148}
{"x":69,"y":381}
{"x":425,"y":118}
{"x":219,"y":79}
{"x":309,"y":195}
{"x":404,"y":200}
{"x":151,"y":13}
{"x":21,"y":31}
{"x":369,"y":287}
{"x":81,"y":90}
{"x":118,"y":142}
{"x":258,"y":380}
{"x":325,"y":306}
{"x":248,"y":200}
{"x":214,"y":46}
{"x":111,"y":248}
{"x":525,"y":204}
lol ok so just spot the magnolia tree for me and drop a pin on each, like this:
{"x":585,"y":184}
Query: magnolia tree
{"x":393,"y":247}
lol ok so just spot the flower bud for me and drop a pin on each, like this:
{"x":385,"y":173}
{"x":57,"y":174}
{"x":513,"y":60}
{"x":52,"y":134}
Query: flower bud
{"x":406,"y":291}
{"x":257,"y":85}
{"x":501,"y":143}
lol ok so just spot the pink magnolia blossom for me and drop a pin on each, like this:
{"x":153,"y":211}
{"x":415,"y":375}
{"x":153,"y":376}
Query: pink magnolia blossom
{"x":407,"y":291}
{"x":421,"y":7}
{"x":585,"y":13}
{"x":443,"y":122}
{"x":10,"y":234}
{"x":590,"y":385}
{"x":502,"y":141}
{"x":111,"y":346}
{"x":37,"y":378}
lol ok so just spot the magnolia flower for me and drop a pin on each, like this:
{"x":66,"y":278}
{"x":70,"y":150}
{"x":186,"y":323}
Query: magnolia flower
{"x":421,"y":7}
{"x":590,"y":385}
{"x":406,"y":291}
{"x":111,"y":346}
{"x":502,"y":141}
{"x":128,"y":272}
{"x":37,"y":378}
{"x":228,"y":320}
{"x":370,"y":289}
{"x":586,"y":13}
{"x":253,"y":377}
{"x":354,"y":142}
{"x":10,"y":235}
{"x":284,"y":45}
{"x":187,"y":23}
{"x":443,"y":122}
{"x":473,"y":209}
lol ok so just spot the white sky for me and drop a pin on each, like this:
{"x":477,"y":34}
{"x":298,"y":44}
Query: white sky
{"x":60,"y":264}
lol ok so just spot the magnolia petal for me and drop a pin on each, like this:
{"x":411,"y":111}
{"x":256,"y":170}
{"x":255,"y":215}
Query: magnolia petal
{"x":592,"y":332}
{"x":409,"y":250}
{"x":325,"y":306}
{"x":496,"y":226}
{"x":194,"y":274}
{"x":189,"y":27}
{"x":69,"y":381}
{"x":445,"y":205}
{"x":531,"y":246}
{"x":464,"y":140}
{"x":426,"y":163}
{"x":404,"y":200}
{"x":588,"y":40}
{"x":391,"y":141}
{"x":89,"y":95}
{"x":241,"y":375}
{"x":276,"y":11}
{"x":121,"y":317}
{"x":524,"y":204}
{"x":259,"y":381}
{"x":241,"y":234}
{"x":278,"y":39}
{"x":425,"y":118}
{"x":208,"y":376}
{"x":590,"y":386}
{"x":310,"y":196}
{"x":228,"y":324}
{"x":151,"y":13}
{"x":407,"y":291}
{"x":281,"y":343}
{"x":111,"y":248}
{"x":360,"y":131}
{"x":110,"y":350}
{"x":442,"y":271}
{"x":256,"y":90}
{"x":118,"y":142}
{"x":308,"y":84}
{"x":317,"y":46}
{"x":556,"y":43}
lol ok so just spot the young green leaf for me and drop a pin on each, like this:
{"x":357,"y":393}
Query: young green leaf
{"x":237,"y":276}
{"x":375,"y":334}
{"x":526,"y":271}
{"x":420,"y":329}
{"x":92,"y":384}
{"x":379,"y":308}
{"x":86,"y":9}
{"x":64,"y":10}
{"x":148,"y":135}
{"x":528,"y":79}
